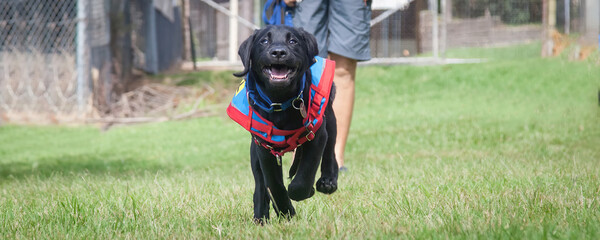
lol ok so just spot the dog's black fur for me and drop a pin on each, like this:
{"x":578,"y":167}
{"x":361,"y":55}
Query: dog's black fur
{"x":293,"y":49}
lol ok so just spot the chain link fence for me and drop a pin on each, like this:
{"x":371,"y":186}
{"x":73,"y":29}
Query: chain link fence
{"x":66,"y":60}
{"x":400,"y":28}
{"x":491,"y":23}
{"x":71,"y":60}
{"x":38,"y":61}
{"x":406,"y":29}
{"x":479,"y":23}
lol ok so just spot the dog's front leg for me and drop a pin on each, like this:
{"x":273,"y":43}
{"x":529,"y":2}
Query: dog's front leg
{"x":301,"y":186}
{"x":272,"y":185}
{"x":261,"y":197}
{"x":329,"y":168}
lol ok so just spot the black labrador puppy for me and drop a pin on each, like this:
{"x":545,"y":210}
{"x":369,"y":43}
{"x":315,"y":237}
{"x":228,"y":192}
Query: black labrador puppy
{"x":284,"y":84}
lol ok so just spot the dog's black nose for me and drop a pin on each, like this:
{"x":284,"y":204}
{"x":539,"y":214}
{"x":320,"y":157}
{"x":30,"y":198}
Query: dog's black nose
{"x":278,"y":52}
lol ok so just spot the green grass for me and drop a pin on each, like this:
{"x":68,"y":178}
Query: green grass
{"x":519,"y":52}
{"x":506,"y":149}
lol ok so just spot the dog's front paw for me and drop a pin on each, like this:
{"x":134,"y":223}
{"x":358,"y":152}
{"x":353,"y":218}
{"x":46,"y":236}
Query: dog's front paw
{"x":260,"y":221}
{"x":327,"y":185}
{"x":298,"y":192}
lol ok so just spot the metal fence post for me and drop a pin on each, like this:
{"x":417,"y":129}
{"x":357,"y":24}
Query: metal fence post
{"x":83,"y":58}
{"x":433,"y":7}
{"x":151,"y":44}
{"x":385,"y":37}
{"x":444,"y":27}
{"x":233,"y":30}
{"x":567,"y":16}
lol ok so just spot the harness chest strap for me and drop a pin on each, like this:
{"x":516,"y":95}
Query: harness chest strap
{"x":294,"y":138}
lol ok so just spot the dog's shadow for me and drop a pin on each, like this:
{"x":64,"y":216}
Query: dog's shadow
{"x":73,"y":164}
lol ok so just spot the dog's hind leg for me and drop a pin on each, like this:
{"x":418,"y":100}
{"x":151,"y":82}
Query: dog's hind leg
{"x":329,"y":168}
{"x":273,"y":182}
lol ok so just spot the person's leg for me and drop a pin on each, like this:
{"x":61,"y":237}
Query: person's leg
{"x":312,"y":16}
{"x":349,"y":32}
{"x":343,"y":105}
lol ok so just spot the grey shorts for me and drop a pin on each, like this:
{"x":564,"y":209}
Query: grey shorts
{"x":340,"y":26}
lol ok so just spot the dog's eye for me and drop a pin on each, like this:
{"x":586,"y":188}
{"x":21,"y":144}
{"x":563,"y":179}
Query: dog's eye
{"x":292,"y":41}
{"x":264,"y":41}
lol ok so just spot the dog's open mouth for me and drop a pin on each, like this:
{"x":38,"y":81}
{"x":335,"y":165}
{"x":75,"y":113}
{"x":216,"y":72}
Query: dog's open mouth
{"x":278,"y":72}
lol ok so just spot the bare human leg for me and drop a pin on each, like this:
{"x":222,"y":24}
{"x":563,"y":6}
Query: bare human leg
{"x":343,"y":105}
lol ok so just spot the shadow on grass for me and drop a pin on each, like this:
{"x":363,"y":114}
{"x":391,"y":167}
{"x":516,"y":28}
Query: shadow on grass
{"x":78,"y":164}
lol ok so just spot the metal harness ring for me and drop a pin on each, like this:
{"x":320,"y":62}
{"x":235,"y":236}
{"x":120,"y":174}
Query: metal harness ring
{"x":301,"y":102}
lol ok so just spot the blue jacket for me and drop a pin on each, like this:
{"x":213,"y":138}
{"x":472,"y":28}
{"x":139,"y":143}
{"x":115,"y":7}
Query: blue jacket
{"x":277,"y":13}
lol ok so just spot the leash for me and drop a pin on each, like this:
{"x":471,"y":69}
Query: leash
{"x":273,"y":200}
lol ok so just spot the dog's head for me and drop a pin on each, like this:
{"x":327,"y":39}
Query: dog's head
{"x":278,"y":56}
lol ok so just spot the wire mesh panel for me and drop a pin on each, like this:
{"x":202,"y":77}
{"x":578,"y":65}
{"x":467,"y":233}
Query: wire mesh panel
{"x":396,"y":35}
{"x":483,"y":23}
{"x":38,"y":74}
{"x":491,"y":23}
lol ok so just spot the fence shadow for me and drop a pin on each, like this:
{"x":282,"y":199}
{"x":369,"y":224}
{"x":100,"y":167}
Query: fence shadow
{"x":65,"y":165}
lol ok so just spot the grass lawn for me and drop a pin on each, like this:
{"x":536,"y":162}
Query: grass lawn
{"x":505,"y":149}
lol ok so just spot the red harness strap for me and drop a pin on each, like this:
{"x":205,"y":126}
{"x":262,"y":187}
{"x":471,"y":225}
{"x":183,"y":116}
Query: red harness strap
{"x":296,"y":139}
{"x":316,"y":110}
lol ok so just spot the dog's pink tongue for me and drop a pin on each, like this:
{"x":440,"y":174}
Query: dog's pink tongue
{"x":277,"y":72}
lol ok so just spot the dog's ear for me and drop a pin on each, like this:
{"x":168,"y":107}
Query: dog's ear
{"x":312,"y":47}
{"x":244,"y":53}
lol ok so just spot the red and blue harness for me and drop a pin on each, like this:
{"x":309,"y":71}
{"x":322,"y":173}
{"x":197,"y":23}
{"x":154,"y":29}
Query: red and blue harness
{"x":280,"y":141}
